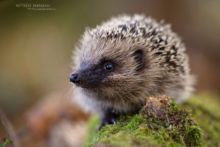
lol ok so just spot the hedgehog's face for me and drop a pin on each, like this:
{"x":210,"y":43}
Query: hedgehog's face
{"x":108,"y":67}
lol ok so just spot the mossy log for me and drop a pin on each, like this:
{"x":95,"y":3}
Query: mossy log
{"x":163,"y":123}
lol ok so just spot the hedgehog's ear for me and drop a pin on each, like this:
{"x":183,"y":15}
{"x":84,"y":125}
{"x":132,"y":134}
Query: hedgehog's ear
{"x":139,"y":58}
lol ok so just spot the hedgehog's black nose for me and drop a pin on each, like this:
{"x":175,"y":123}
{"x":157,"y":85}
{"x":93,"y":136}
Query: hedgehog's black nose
{"x":75,"y":78}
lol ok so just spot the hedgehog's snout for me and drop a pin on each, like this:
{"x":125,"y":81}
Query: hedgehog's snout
{"x":78,"y":79}
{"x":93,"y":75}
{"x":87,"y":78}
{"x":75,"y":78}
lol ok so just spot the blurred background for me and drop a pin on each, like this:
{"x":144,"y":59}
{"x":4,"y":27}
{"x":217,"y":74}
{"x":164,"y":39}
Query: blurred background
{"x":37,"y":39}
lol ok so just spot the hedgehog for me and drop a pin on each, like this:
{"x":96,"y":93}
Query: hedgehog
{"x":119,"y":64}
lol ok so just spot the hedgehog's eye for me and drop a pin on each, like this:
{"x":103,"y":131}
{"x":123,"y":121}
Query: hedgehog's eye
{"x":108,"y":66}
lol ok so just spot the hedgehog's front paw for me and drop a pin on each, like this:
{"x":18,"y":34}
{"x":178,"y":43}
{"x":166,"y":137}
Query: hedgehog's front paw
{"x":107,"y":118}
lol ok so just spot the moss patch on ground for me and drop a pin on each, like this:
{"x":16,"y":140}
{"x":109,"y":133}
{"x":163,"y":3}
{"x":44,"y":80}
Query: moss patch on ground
{"x":162,"y":123}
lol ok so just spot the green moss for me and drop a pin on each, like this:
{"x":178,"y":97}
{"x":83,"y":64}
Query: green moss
{"x":167,"y":126}
{"x":163,"y":114}
{"x":193,"y":136}
{"x":206,"y":111}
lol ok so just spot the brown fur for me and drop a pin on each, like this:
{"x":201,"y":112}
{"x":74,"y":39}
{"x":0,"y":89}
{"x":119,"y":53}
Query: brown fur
{"x":166,"y":70}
